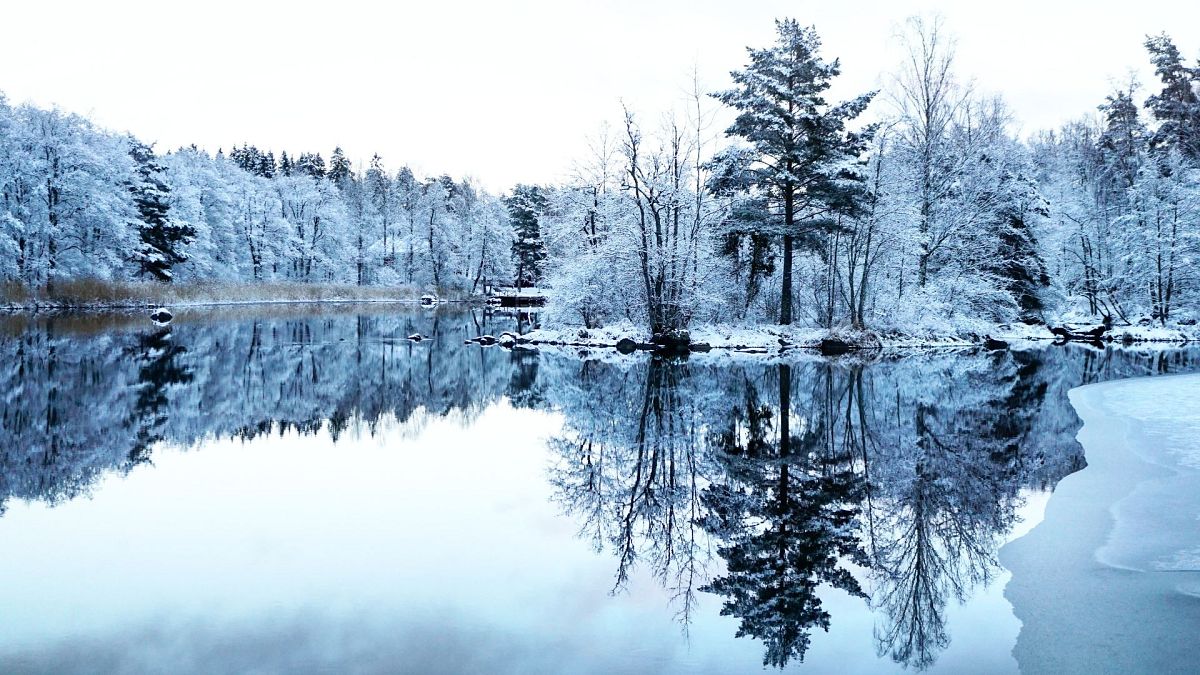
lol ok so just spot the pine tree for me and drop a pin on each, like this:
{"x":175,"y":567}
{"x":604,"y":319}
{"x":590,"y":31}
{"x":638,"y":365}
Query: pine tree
{"x":285,"y":164}
{"x":525,"y":207}
{"x":266,"y":165}
{"x":802,"y":157}
{"x":339,"y":168}
{"x":161,"y":237}
{"x":312,"y":164}
{"x":1177,"y":107}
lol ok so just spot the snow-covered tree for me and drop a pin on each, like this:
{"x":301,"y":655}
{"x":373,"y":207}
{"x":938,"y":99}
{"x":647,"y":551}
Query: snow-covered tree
{"x":799,"y":166}
{"x":162,"y":238}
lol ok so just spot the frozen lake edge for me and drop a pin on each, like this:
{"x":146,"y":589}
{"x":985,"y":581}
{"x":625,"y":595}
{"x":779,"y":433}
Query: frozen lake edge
{"x":1092,"y":584}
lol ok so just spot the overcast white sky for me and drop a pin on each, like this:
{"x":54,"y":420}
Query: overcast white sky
{"x":509,"y":91}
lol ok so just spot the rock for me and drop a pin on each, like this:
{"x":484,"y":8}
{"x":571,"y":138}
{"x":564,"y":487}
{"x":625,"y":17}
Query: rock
{"x":506,"y":340}
{"x":429,"y":300}
{"x":626,"y":346}
{"x":583,"y":334}
{"x":486,"y":340}
{"x":992,"y":344}
{"x":1187,"y":322}
{"x":834,"y":347}
{"x":700,"y":347}
{"x":161,"y":315}
{"x":416,"y":337}
{"x":675,"y":341}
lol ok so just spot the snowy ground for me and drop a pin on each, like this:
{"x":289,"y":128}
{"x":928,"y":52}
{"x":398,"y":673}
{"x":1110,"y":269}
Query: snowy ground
{"x":1171,"y":334}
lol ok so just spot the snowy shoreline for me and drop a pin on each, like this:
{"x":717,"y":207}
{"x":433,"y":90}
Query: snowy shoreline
{"x":768,"y":339}
{"x":773,"y":339}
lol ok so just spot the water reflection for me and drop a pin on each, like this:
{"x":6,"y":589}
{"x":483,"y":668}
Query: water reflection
{"x":894,"y":482}
{"x":766,"y":486}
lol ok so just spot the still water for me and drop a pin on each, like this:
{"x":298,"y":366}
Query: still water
{"x":264,"y":490}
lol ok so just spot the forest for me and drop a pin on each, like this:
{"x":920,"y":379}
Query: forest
{"x":916,"y":208}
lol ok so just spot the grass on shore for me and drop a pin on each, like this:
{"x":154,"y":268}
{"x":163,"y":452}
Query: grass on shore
{"x":82,"y":293}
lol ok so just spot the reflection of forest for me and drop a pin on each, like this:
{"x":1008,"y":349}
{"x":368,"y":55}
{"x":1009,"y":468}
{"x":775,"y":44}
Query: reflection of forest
{"x":758,"y":483}
{"x":894,"y":482}
{"x":79,"y":401}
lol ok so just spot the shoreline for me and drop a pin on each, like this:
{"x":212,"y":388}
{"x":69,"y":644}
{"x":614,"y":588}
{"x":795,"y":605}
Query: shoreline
{"x":779,"y":340}
{"x":762,"y":340}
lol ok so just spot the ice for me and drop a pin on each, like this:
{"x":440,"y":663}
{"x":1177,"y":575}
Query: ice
{"x":1108,"y":581}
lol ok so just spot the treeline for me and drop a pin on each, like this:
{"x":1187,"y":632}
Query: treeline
{"x":934,"y":217}
{"x":78,"y":202}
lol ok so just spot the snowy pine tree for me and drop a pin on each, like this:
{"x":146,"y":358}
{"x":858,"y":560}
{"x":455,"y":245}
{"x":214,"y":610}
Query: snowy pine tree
{"x":525,"y":207}
{"x":803,"y":161}
{"x":161,"y":238}
{"x":339,"y":168}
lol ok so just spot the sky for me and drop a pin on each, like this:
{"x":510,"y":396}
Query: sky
{"x":509,"y":92}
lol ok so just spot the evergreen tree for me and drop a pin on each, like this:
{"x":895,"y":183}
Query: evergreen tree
{"x":161,"y":237}
{"x":312,"y":164}
{"x":266,"y":165}
{"x":1177,"y":107}
{"x":285,"y":164}
{"x":339,"y":168}
{"x":802,"y":157}
{"x":1122,"y":141}
{"x":525,"y":206}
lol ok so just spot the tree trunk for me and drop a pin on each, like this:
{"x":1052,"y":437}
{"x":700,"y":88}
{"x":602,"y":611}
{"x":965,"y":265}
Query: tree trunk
{"x":785,"y":297}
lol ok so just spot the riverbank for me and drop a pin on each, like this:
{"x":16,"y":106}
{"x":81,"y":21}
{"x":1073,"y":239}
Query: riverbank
{"x":1109,"y":581}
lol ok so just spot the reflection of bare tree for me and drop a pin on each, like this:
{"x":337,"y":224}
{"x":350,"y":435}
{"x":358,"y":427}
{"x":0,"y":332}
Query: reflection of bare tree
{"x":632,"y":465}
{"x":938,"y":525}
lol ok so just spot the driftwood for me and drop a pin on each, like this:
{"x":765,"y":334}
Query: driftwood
{"x":1065,"y":334}
{"x":992,"y":344}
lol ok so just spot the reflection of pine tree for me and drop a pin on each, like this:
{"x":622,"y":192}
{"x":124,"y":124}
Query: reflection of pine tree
{"x":158,"y":370}
{"x":794,"y":525}
{"x":523,"y":391}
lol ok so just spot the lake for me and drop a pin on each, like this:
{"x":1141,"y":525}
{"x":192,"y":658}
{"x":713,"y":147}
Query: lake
{"x":261,"y":489}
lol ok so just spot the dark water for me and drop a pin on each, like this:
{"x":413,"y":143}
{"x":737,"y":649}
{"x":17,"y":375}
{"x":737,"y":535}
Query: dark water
{"x":259,"y":490}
